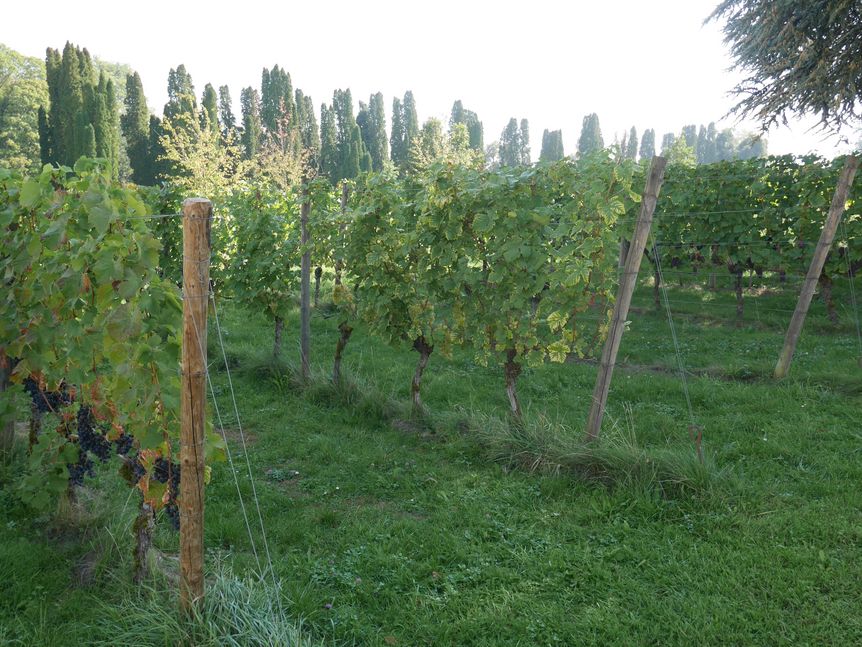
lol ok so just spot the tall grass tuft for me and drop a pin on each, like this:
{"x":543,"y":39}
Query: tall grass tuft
{"x":539,"y":444}
{"x":237,"y":612}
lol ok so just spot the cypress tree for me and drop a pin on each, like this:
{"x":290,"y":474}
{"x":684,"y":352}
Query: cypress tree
{"x":647,"y":149}
{"x":591,"y":135}
{"x":552,"y":146}
{"x":209,"y":108}
{"x":110,"y":127}
{"x":70,"y":98}
{"x":225,"y":107}
{"x":328,"y":143}
{"x":155,"y":168}
{"x":251,"y":121}
{"x":135,"y":124}
{"x":396,"y":140}
{"x":631,"y":151}
{"x":89,"y":141}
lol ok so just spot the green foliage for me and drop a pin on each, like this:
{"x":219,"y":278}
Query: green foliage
{"x":86,"y":311}
{"x":202,"y":162}
{"x":498,"y":262}
{"x":263,"y":271}
{"x":800,"y":57}
{"x":23,"y":120}
{"x":761,"y":214}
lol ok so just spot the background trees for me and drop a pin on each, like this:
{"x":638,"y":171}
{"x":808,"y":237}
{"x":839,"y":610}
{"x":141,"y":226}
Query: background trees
{"x":22,"y":91}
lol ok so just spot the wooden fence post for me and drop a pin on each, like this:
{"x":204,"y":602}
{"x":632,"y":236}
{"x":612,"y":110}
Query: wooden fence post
{"x":845,"y":180}
{"x":628,"y":279}
{"x":197,"y":220}
{"x":305,"y":287}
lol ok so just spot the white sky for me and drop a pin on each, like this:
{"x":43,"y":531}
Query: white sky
{"x":648,"y":63}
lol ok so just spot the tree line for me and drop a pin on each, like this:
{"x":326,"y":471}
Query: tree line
{"x":86,"y":109}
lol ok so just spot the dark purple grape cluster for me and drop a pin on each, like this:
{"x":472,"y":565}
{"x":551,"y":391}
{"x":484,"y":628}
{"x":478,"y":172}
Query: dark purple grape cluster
{"x":83,"y":467}
{"x":124,"y":444}
{"x":90,"y":437}
{"x":137,"y":470}
{"x":165,"y":471}
{"x":173,"y":513}
{"x":45,"y":401}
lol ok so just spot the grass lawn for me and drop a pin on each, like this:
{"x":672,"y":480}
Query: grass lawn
{"x":383,"y":531}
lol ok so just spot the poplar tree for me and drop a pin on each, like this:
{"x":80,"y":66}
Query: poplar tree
{"x":209,"y":108}
{"x":251,"y":122}
{"x":351,"y":154}
{"x":667,"y":142}
{"x":524,"y":149}
{"x":157,"y":168}
{"x":690,"y":134}
{"x":411,"y":120}
{"x":277,"y":104}
{"x":372,"y":124}
{"x":328,"y":143}
{"x":510,"y":144}
{"x":225,"y":108}
{"x":396,"y":140}
{"x":461,"y":115}
{"x":591,"y":135}
{"x":552,"y":146}
{"x":631,"y":151}
{"x":309,"y":134}
{"x":647,"y":149}
{"x":181,"y":94}
{"x":135,"y":124}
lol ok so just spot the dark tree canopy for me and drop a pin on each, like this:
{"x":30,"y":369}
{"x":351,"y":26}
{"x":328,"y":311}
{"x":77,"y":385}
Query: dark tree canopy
{"x":800,"y":56}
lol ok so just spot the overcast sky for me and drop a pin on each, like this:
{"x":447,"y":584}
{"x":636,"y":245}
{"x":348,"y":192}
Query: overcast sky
{"x":651,"y":64}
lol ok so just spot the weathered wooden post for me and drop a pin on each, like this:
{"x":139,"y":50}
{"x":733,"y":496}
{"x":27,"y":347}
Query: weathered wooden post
{"x":197,"y":221}
{"x":628,"y":279}
{"x":305,"y":287}
{"x":851,"y":164}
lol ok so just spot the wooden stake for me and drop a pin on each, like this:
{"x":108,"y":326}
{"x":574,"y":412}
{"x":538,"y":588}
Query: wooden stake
{"x":305,"y":289}
{"x":197,"y":219}
{"x":628,"y":279}
{"x":851,"y":164}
